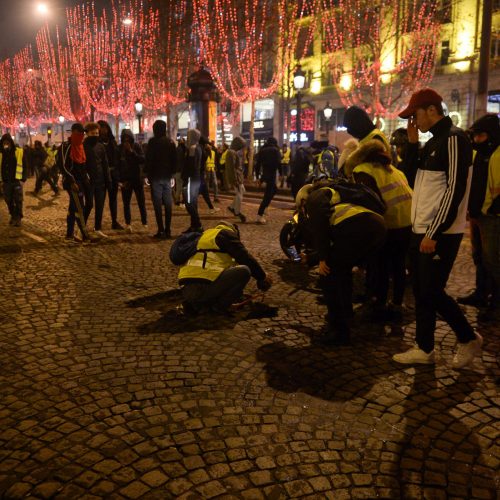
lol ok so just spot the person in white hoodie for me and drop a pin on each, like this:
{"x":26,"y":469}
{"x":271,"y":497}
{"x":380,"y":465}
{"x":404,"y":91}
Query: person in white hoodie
{"x":442,"y":172}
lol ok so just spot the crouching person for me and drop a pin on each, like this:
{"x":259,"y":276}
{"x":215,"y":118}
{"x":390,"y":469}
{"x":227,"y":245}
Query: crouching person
{"x":216,"y":275}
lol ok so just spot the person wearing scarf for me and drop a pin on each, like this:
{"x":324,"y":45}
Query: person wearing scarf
{"x":73,"y":165}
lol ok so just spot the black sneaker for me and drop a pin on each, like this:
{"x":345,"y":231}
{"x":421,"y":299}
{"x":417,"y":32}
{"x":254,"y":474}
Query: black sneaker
{"x":243,"y":219}
{"x":231,"y":209}
{"x":160,"y":235}
{"x":117,"y":226}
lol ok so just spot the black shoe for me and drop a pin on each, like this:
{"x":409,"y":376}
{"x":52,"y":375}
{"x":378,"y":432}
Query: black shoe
{"x":160,"y":235}
{"x":473,"y":299}
{"x":231,"y":209}
{"x":117,"y":226}
{"x":243,"y":219}
{"x":191,"y":229}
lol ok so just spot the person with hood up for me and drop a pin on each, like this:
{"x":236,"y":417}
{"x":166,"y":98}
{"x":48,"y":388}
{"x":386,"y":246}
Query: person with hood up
{"x":217,"y":274}
{"x":72,"y":163}
{"x":13,"y":175}
{"x":100,"y":177}
{"x":131,"y":180}
{"x":484,"y":216}
{"x":359,"y":125}
{"x":161,"y":159}
{"x":191,"y":178}
{"x":268,"y":163}
{"x":43,"y":173}
{"x":370,"y":164}
{"x":107,"y":138}
{"x":234,"y":175}
{"x":299,"y":169}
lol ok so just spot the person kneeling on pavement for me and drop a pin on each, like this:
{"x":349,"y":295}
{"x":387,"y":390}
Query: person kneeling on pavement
{"x":345,"y":234}
{"x":215,"y":277}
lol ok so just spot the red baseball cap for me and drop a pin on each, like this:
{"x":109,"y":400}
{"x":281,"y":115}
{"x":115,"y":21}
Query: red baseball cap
{"x":421,"y":99}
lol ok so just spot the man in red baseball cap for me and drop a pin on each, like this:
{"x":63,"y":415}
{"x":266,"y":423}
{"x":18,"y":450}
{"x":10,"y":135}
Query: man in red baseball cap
{"x":442,"y":173}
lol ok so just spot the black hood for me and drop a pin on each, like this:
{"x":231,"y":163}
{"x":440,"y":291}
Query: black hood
{"x":160,"y":128}
{"x":490,"y":124}
{"x":357,"y":122}
{"x":105,"y":124}
{"x":8,"y":137}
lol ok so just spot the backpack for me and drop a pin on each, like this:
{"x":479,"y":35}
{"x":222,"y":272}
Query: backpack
{"x":184,"y":247}
{"x":359,"y":194}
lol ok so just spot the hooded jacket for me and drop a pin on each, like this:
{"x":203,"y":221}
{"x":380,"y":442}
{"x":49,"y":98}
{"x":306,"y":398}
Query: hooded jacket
{"x":12,"y":161}
{"x":97,"y":161}
{"x":268,"y":160}
{"x":370,"y":164}
{"x":234,"y":162}
{"x":359,"y":125}
{"x":161,"y":156}
{"x":131,"y":162}
{"x":442,"y":172}
{"x":192,"y":167}
{"x":111,"y":151}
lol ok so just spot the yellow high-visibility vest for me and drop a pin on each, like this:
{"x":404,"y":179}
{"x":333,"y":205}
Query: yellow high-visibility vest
{"x":343,"y":211}
{"x":377,"y":134}
{"x":19,"y":165}
{"x":210,"y":163}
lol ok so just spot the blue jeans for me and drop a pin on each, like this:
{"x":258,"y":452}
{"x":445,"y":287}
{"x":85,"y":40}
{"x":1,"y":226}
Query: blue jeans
{"x":191,"y":191}
{"x":161,"y":194}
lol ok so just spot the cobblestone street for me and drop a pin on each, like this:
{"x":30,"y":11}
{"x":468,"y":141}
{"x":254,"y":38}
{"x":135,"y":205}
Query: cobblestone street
{"x":107,"y":393}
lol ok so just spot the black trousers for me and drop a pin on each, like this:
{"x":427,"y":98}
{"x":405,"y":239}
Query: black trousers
{"x":430,"y":275}
{"x":269,"y":193}
{"x":113,"y":195}
{"x":44,"y":174}
{"x":353,"y":240}
{"x":128,"y":188}
{"x":97,"y":199}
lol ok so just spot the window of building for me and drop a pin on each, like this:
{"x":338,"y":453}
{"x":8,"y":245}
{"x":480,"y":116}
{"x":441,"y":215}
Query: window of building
{"x":445,"y":12}
{"x":445,"y":52}
{"x":495,"y":45}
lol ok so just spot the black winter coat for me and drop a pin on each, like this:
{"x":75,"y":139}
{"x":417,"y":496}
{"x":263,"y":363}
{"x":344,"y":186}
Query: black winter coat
{"x":161,"y":158}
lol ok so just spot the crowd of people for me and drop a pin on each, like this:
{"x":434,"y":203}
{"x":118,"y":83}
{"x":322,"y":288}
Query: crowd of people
{"x":390,"y":206}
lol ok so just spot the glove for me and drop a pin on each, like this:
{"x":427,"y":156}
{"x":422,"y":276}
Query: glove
{"x":264,"y":284}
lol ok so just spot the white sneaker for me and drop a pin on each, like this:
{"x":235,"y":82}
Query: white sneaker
{"x":415,"y":355}
{"x":128,"y":228}
{"x":99,"y":233}
{"x":261,"y":219}
{"x":467,"y":352}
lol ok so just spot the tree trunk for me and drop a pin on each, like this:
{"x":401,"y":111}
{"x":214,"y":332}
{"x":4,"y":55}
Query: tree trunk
{"x":117,"y":127}
{"x":251,"y":146}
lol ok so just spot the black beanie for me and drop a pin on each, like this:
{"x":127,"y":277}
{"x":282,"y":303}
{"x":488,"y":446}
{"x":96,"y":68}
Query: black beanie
{"x":490,"y":124}
{"x":357,"y":122}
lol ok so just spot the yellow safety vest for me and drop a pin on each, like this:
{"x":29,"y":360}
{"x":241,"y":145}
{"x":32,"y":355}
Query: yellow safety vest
{"x":19,"y":165}
{"x":222,"y":160}
{"x":343,"y":211}
{"x":285,"y":159}
{"x":209,"y":261}
{"x":395,"y":191}
{"x":210,"y":164}
{"x":493,"y":184}
{"x":377,"y":134}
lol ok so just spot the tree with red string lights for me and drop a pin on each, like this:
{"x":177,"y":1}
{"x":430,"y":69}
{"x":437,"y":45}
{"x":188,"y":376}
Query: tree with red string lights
{"x":173,"y":60}
{"x":57,"y":71}
{"x":112,"y":53}
{"x":34,"y":102}
{"x":379,"y":52}
{"x":241,"y":43}
{"x":9,"y":97}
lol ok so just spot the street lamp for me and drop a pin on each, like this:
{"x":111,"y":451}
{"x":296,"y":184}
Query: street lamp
{"x":138,"y":111}
{"x":61,"y":121}
{"x":327,"y":113}
{"x":42,"y":8}
{"x":127,"y":21}
{"x":299,"y":81}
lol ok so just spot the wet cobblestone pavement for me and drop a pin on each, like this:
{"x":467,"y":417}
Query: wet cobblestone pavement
{"x":106,"y":393}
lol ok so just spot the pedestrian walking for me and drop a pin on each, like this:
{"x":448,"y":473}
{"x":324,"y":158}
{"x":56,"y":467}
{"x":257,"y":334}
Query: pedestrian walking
{"x":107,"y":138}
{"x":299,"y":169}
{"x":161,"y":160}
{"x":131,"y":177}
{"x":181,"y":158}
{"x":284,"y":170}
{"x":191,"y":178}
{"x":13,"y":175}
{"x":99,"y":174}
{"x":42,"y":163}
{"x":234,"y":175}
{"x":439,"y":205}
{"x":211,"y":172}
{"x":205,"y":157}
{"x":269,"y":162}
{"x":72,"y":163}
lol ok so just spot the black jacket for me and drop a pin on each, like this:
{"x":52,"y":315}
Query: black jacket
{"x":71,"y":171}
{"x":131,"y":162}
{"x":97,"y":162}
{"x":268,"y":162}
{"x":9,"y":161}
{"x":161,"y":158}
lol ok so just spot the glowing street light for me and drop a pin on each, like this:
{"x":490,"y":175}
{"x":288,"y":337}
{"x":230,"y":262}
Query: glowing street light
{"x":42,"y":8}
{"x":127,"y":21}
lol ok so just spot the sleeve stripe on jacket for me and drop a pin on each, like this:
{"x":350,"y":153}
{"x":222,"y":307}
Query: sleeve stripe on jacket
{"x":444,"y":209}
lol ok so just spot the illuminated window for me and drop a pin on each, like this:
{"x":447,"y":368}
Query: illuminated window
{"x":445,"y":52}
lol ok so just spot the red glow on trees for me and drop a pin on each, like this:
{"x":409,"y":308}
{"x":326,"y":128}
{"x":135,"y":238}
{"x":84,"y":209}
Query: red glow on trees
{"x":9,"y":97}
{"x":381,"y":51}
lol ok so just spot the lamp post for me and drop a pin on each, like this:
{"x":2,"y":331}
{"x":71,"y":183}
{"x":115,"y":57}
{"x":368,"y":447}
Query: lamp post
{"x":327,"y":113}
{"x":138,"y":111}
{"x":61,"y":121}
{"x":299,"y":81}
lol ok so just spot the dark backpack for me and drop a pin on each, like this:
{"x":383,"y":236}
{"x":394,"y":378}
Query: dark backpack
{"x":359,"y":194}
{"x":184,"y":247}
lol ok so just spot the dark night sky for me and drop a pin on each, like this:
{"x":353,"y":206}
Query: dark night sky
{"x":19,"y":21}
